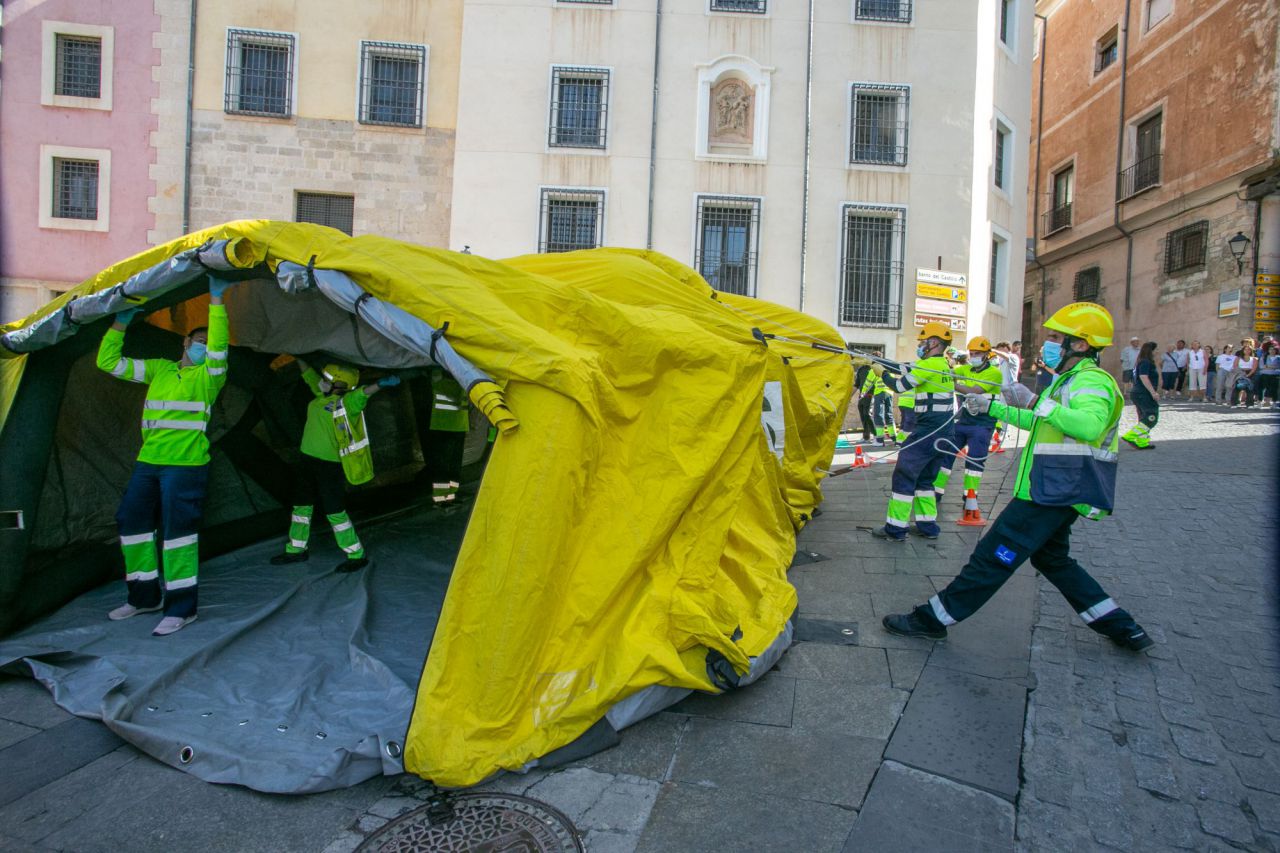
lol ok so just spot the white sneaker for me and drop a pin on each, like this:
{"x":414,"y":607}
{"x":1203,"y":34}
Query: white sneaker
{"x":124,"y":611}
{"x":172,"y":624}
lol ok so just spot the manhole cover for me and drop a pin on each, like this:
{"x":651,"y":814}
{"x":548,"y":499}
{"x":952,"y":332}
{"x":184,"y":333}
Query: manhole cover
{"x":482,"y":823}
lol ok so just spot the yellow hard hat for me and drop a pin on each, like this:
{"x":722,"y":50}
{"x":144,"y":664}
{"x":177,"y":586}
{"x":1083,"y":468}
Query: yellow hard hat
{"x":935,"y":330}
{"x":336,"y":373}
{"x":1086,"y":320}
{"x":979,"y":344}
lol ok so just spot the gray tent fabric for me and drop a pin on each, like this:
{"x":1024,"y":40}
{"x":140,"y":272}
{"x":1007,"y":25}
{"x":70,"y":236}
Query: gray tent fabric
{"x":294,"y":679}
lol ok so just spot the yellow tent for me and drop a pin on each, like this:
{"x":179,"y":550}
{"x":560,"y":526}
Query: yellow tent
{"x":638,"y":515}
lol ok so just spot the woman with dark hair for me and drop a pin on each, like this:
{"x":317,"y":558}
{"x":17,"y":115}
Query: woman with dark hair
{"x":1144,"y":397}
{"x":1211,"y":374}
{"x":1246,"y":367}
{"x":1269,"y":376}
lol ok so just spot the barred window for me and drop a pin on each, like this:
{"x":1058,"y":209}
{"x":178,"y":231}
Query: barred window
{"x":758,"y":7}
{"x":336,"y":211}
{"x":1088,"y":284}
{"x":728,"y":242}
{"x":893,"y":11}
{"x":579,"y":107}
{"x":391,"y":83}
{"x":871,"y":265}
{"x":999,"y":282}
{"x":1003,"y":156}
{"x":259,"y":73}
{"x":880,"y":123}
{"x":75,"y":188}
{"x":78,"y":67}
{"x":1186,"y":249}
{"x":570,"y":219}
{"x":589,"y":2}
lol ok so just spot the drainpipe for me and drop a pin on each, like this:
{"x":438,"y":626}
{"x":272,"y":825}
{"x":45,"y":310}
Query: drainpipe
{"x":1035,"y":195}
{"x":808,"y":136}
{"x":191,"y":89}
{"x":1128,"y":235}
{"x":653,"y":127}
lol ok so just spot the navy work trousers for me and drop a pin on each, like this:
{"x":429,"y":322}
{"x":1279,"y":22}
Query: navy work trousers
{"x":168,"y":498}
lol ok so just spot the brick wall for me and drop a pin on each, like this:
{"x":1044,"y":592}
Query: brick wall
{"x":402,"y":180}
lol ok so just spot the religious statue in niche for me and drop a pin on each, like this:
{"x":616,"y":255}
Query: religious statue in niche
{"x":732,"y":123}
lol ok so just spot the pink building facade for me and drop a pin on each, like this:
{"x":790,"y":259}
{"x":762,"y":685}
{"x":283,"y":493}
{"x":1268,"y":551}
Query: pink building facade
{"x":80,"y":97}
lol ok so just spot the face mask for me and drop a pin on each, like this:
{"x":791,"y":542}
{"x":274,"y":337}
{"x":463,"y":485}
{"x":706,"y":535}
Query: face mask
{"x":1051,"y":353}
{"x":921,"y":350}
{"x":979,"y":361}
{"x":326,"y":386}
{"x":196,"y":352}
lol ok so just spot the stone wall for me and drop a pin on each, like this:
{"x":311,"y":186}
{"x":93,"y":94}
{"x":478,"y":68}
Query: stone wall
{"x":402,"y":180}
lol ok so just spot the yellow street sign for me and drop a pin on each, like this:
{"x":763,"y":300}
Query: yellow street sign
{"x":1264,"y":290}
{"x":1266,"y":303}
{"x":1267,"y":278}
{"x":941,"y":291}
{"x":1266,"y":326}
{"x":1266,"y":315}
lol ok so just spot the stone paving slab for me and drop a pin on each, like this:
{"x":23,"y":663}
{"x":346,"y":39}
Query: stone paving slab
{"x":963,"y":727}
{"x":909,"y":810}
{"x":46,"y":756}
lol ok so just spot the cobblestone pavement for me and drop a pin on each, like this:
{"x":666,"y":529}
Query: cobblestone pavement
{"x":1179,"y":748}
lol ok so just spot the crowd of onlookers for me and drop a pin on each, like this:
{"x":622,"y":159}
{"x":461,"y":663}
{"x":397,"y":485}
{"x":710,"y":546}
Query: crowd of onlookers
{"x":1230,"y":375}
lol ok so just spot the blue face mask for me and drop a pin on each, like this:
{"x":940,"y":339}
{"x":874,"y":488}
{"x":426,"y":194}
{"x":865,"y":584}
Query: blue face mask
{"x":1051,"y":353}
{"x":196,"y":352}
{"x":921,"y":350}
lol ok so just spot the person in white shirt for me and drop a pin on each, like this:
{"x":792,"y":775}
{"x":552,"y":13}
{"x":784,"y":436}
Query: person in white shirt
{"x":1180,"y":354}
{"x":1197,"y":369}
{"x":1226,"y":376}
{"x":1128,"y":359}
{"x":1003,"y":347}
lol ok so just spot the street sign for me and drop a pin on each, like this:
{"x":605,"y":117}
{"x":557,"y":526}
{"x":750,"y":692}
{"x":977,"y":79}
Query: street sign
{"x":938,"y":291}
{"x":1267,"y":278}
{"x":1266,"y":303}
{"x":1264,"y":326}
{"x":1266,"y":315}
{"x":1264,"y":290}
{"x":956,"y":324}
{"x":956,"y":279}
{"x":1229,"y":303}
{"x":942,"y":309}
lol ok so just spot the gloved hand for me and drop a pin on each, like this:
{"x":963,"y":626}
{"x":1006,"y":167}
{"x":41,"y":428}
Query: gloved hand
{"x":859,"y":361}
{"x":388,"y":381}
{"x":977,"y":404}
{"x":1018,"y":395}
{"x":217,"y":286}
{"x":126,"y":316}
{"x":877,"y":368}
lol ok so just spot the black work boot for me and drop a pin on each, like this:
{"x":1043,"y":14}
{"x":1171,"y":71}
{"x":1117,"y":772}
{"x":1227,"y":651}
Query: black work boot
{"x":915,"y":624}
{"x":353,"y":565}
{"x":290,"y":557}
{"x":1134,"y":639}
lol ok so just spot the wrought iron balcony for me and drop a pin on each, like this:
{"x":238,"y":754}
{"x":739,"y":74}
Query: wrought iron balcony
{"x":1142,"y":175}
{"x":1056,"y":219}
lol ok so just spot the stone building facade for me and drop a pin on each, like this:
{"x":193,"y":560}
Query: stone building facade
{"x":1155,"y":144}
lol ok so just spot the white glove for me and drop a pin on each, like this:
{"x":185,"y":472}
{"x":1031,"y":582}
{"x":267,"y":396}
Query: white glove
{"x":1018,"y":395}
{"x":977,"y":404}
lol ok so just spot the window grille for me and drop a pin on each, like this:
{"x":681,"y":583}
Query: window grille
{"x":1059,"y":215}
{"x":570,"y":219}
{"x":259,"y":73}
{"x":336,"y":211}
{"x":579,"y":107}
{"x":871,"y":266}
{"x":1002,"y":151}
{"x":589,"y":2}
{"x":880,"y":124}
{"x":1108,"y":51}
{"x":391,"y":83}
{"x":758,"y":7}
{"x":75,"y":189}
{"x":78,"y":67}
{"x":1186,"y":249}
{"x":893,"y":11}
{"x":999,"y":264}
{"x":728,"y":243}
{"x":1145,"y":171}
{"x":1088,"y":284}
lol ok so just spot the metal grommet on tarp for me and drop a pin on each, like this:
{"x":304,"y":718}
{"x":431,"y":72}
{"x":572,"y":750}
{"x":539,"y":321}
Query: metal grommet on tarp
{"x":185,"y":755}
{"x":393,"y":749}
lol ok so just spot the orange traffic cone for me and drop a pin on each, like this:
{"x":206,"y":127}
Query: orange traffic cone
{"x":997,"y":442}
{"x":972,"y":515}
{"x":859,"y":461}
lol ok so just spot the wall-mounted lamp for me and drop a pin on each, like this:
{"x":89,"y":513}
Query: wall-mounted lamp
{"x":1239,"y":244}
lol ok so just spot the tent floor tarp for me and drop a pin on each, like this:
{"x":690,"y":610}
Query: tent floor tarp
{"x":294,"y":679}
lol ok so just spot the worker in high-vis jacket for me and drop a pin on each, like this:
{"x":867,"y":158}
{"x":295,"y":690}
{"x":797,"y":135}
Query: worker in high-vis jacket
{"x":450,"y":420}
{"x":930,"y":380}
{"x":171,"y":474}
{"x":335,"y":451}
{"x":881,"y":408}
{"x":973,"y":432}
{"x":1067,"y":470}
{"x":906,"y":416}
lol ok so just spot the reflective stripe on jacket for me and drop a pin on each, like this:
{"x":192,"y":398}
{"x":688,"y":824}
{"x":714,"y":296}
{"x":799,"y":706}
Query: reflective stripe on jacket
{"x":448,"y":404}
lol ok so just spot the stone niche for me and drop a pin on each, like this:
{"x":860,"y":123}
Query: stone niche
{"x":733,"y":109}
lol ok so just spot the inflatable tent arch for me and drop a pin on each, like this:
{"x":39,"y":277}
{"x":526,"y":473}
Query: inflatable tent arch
{"x":637,"y":516}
